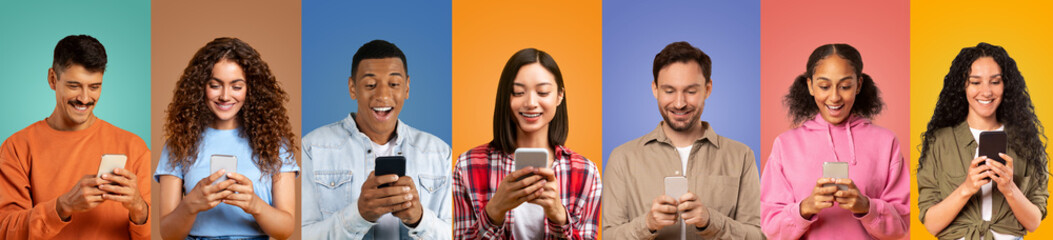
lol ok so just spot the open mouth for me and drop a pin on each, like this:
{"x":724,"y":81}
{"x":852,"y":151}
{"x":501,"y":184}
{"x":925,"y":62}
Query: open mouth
{"x":832,"y":107}
{"x":382,"y":112}
{"x":985,"y":101}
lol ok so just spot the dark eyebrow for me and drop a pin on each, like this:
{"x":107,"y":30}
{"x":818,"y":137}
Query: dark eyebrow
{"x":235,"y":80}
{"x":395,"y":74}
{"x":688,"y":86}
{"x":844,"y":78}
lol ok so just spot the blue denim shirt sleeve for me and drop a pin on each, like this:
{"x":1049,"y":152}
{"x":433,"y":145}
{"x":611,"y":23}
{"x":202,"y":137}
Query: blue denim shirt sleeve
{"x":436,"y":221}
{"x":346,"y":224}
{"x":333,"y":171}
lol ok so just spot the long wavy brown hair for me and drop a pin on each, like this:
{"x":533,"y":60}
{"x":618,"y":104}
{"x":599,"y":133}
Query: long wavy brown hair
{"x":263,"y":118}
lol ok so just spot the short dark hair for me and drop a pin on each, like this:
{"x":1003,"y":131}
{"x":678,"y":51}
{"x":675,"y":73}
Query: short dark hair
{"x":377,"y":49}
{"x":504,"y":119}
{"x":682,"y":52}
{"x":802,"y":104}
{"x":82,"y":50}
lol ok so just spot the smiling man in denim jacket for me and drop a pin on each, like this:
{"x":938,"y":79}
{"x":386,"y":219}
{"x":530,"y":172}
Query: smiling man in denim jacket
{"x":341,"y":196}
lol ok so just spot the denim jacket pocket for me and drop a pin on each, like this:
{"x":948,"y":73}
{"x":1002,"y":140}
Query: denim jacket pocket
{"x":431,"y":183}
{"x":334,"y":189}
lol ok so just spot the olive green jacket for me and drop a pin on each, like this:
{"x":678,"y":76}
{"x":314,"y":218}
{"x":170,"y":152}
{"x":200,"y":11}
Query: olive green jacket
{"x":945,"y":167}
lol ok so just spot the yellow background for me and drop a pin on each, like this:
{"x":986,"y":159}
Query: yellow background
{"x":940,"y":29}
{"x":487,"y":33}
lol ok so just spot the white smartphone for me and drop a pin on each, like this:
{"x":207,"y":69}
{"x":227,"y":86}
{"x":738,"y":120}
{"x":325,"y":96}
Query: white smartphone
{"x":836,"y":170}
{"x":224,"y":162}
{"x":676,"y":187}
{"x":111,"y":162}
{"x":531,"y":157}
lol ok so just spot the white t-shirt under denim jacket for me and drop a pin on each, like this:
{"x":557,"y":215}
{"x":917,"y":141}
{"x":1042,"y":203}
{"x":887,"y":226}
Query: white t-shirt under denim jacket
{"x":337,"y":159}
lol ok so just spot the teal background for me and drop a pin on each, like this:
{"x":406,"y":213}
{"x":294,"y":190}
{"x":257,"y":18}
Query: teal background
{"x":29,"y":31}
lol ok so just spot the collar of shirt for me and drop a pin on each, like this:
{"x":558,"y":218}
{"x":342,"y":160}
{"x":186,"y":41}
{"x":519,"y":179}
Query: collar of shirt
{"x":658,"y":135}
{"x":400,"y":129}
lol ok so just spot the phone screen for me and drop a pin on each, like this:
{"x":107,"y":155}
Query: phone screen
{"x":992,"y":143}
{"x":388,"y":165}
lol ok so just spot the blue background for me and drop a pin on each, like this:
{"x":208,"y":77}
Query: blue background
{"x":333,"y":31}
{"x":30,"y":30}
{"x":633,"y":32}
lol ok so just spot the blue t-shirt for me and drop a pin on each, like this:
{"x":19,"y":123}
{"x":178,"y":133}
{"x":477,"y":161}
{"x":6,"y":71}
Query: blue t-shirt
{"x":224,"y":219}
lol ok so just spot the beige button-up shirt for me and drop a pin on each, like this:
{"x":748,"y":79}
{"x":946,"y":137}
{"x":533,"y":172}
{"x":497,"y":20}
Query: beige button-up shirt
{"x":720,"y":171}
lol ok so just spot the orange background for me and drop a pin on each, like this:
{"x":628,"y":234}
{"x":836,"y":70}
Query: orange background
{"x":939,"y":30}
{"x":180,"y":28}
{"x":487,"y":33}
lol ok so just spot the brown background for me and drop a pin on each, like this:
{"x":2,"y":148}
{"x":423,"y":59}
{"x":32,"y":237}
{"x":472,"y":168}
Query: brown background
{"x":180,"y":28}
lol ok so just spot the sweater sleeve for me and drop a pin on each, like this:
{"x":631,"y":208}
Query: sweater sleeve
{"x":142,"y":174}
{"x":889,"y":214}
{"x":19,"y":218}
{"x":780,"y":212}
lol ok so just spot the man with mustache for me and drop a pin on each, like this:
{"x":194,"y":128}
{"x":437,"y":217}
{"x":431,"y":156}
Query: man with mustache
{"x":342,"y":197}
{"x":723,"y":190}
{"x":49,"y":187}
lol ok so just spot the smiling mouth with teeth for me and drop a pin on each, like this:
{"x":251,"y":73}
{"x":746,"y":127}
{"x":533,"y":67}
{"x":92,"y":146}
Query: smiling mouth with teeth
{"x":834,"y":108}
{"x":984,"y":102}
{"x":530,"y":115}
{"x":80,"y":106}
{"x":382,"y":109}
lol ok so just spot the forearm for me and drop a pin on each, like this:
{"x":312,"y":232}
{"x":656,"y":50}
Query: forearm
{"x":1025,"y":212}
{"x":177,"y":223}
{"x":139,"y":213}
{"x":943,"y":213}
{"x":275,"y":222}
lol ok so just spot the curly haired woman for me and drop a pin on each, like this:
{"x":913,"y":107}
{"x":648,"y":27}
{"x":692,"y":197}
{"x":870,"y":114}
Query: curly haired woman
{"x":963,"y":195}
{"x":227,"y":103}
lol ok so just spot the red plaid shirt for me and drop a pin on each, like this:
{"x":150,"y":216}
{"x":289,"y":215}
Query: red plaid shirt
{"x":481,"y":169}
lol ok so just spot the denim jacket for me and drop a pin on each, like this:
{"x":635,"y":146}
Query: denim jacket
{"x":337,"y":159}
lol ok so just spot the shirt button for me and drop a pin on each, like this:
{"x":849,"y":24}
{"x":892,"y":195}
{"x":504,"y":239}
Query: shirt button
{"x":331,"y":184}
{"x":369,"y":150}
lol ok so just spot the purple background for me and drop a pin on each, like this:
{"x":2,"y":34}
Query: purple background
{"x":633,"y":32}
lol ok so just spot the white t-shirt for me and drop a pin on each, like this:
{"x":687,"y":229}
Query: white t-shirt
{"x":985,"y":191}
{"x":529,"y":222}
{"x":387,"y":225}
{"x":684,"y":153}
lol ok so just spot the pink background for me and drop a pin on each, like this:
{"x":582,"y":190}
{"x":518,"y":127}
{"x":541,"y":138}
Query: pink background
{"x":790,"y":30}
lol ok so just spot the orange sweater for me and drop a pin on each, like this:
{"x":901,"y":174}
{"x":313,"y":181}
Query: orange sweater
{"x":38,"y":164}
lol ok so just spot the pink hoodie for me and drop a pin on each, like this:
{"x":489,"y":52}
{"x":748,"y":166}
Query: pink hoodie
{"x":875,"y":165}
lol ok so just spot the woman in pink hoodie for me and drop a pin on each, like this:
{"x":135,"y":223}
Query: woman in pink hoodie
{"x":831,"y":104}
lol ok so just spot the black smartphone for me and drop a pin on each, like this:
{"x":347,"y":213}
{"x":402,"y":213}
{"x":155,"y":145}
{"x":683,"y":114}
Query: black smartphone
{"x":992,"y":143}
{"x":390,"y":165}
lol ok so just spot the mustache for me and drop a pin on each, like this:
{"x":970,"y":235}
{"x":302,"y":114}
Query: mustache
{"x":78,"y":102}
